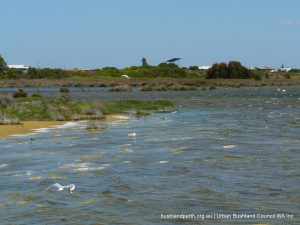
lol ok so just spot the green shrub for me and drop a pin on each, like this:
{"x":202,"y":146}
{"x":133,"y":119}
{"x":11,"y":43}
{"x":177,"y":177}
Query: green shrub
{"x":64,"y":90}
{"x":5,"y":100}
{"x":37,"y":94}
{"x":258,"y":76}
{"x":141,"y":113}
{"x":233,"y":69}
{"x":194,"y":68}
{"x":20,"y":93}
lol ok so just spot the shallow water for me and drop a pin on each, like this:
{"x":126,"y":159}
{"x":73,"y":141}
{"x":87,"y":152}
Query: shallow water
{"x":224,"y":151}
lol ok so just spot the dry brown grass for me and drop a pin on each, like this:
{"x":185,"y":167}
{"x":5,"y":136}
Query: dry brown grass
{"x":114,"y":81}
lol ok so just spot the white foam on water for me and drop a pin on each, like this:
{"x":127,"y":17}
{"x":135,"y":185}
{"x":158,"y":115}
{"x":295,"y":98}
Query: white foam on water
{"x":75,"y":165}
{"x":121,"y":117}
{"x":163,"y":162}
{"x":229,"y":146}
{"x":127,"y":161}
{"x":42,"y":130}
{"x":22,"y":135}
{"x":3,"y":165}
{"x":181,"y":138}
{"x":126,"y":150}
{"x":86,"y":168}
{"x":126,"y":145}
{"x":69,"y":125}
{"x":106,"y":165}
{"x":63,"y":126}
{"x":82,"y":169}
{"x":29,"y":172}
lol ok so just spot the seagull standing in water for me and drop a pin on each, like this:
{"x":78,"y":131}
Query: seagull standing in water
{"x":59,"y":187}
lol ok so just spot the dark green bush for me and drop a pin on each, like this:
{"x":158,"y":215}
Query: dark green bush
{"x":64,"y":90}
{"x":37,"y":94}
{"x":233,"y":69}
{"x":20,"y":93}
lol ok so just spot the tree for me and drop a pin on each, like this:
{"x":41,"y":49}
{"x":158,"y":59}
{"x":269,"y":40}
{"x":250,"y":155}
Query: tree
{"x":218,"y":70}
{"x":194,"y":68}
{"x":233,"y":69}
{"x":3,"y":65}
{"x":144,"y":62}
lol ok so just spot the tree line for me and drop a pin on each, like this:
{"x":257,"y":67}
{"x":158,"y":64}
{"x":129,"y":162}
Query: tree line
{"x":230,"y":70}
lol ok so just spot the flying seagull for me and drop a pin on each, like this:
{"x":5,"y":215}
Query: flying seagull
{"x":132,"y":135}
{"x":125,"y":76}
{"x":59,"y":187}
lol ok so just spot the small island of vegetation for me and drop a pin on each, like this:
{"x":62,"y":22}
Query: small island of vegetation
{"x":22,"y":107}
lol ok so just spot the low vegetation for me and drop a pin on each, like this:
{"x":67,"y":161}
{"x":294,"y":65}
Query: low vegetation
{"x":141,"y":113}
{"x":64,"y":90}
{"x":167,"y":87}
{"x":36,"y":108}
{"x":121,"y":88}
{"x":95,"y":126}
{"x":20,"y":93}
{"x":125,"y":106}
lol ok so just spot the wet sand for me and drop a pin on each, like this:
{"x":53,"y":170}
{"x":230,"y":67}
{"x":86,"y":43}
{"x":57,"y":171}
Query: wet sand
{"x":26,"y":127}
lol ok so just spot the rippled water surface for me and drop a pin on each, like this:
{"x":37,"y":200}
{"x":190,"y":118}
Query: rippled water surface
{"x":223,"y":151}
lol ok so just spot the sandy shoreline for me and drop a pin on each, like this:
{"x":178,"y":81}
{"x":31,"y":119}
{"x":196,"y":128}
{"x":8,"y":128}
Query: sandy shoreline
{"x":29,"y":126}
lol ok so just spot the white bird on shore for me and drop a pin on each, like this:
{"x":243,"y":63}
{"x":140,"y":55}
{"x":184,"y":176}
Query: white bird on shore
{"x":125,"y":76}
{"x":132,"y":135}
{"x":59,"y":187}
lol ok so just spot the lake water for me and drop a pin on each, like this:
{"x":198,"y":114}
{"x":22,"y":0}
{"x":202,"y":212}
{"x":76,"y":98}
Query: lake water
{"x":225,"y":151}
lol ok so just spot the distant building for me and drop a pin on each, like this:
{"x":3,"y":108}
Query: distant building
{"x":265,"y":69}
{"x":204,"y":67}
{"x":285,"y":69}
{"x":80,"y":70}
{"x":18,"y":67}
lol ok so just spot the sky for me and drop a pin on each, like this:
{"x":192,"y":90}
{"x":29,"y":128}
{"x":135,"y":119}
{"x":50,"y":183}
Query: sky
{"x":97,"y":33}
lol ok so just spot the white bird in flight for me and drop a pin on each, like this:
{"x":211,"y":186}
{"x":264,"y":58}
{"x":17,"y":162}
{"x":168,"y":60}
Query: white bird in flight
{"x":59,"y":187}
{"x":125,"y":76}
{"x":132,"y":135}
